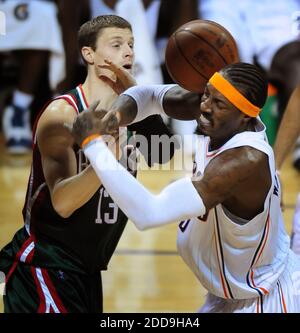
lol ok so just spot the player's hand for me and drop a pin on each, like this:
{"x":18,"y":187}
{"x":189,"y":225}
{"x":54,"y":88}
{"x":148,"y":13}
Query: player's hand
{"x":88,"y":123}
{"x":124,"y":79}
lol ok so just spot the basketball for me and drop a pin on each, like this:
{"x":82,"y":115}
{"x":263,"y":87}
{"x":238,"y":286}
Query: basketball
{"x":197,"y":50}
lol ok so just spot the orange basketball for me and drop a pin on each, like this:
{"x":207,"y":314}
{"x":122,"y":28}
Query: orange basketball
{"x":197,"y":50}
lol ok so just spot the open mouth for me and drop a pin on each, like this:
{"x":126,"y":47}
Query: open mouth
{"x":128,"y":66}
{"x":204,"y":121}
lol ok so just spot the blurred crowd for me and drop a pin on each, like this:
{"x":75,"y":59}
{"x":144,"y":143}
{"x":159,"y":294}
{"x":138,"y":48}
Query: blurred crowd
{"x":40,"y":59}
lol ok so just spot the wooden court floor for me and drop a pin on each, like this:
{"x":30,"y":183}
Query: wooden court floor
{"x":145,"y":274}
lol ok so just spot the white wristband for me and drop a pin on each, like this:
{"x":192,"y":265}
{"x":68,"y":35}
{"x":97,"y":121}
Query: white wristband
{"x":149,"y":99}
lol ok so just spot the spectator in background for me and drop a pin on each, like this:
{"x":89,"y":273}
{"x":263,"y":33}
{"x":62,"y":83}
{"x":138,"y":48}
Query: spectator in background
{"x":260,"y":28}
{"x":33,"y":34}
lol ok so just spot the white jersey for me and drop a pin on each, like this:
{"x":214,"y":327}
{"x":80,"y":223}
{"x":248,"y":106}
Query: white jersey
{"x":260,"y":28}
{"x":233,"y":258}
{"x":33,"y":25}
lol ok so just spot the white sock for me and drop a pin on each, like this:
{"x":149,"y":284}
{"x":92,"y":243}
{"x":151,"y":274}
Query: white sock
{"x":21,"y":99}
{"x":296,"y":228}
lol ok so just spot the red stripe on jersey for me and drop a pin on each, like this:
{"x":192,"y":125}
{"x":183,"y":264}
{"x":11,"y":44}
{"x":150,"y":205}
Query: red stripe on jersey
{"x":53,"y":292}
{"x":282,"y":298}
{"x":42,"y":305}
{"x":83,"y":95}
{"x":18,"y":256}
{"x":70,"y":100}
{"x":213,"y":153}
{"x":220,"y":271}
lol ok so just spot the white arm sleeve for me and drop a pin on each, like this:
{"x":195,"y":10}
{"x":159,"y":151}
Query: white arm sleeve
{"x":149,"y":99}
{"x":178,"y":201}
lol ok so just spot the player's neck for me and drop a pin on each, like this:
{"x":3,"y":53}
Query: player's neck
{"x":95,"y":89}
{"x":216,"y":143}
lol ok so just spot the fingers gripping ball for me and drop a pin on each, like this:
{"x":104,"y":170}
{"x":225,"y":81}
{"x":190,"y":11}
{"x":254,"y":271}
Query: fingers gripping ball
{"x":196,"y":51}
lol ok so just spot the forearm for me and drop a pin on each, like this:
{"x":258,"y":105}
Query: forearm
{"x":181,"y":104}
{"x":72,"y":193}
{"x":176,"y":202}
{"x":289,"y":129}
{"x":140,"y":102}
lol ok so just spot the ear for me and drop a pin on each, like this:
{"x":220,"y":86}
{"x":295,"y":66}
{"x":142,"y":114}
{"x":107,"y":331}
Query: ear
{"x":246,"y":119}
{"x":88,"y":54}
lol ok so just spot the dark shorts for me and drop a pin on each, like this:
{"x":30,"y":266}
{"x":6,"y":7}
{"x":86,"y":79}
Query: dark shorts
{"x":38,"y":290}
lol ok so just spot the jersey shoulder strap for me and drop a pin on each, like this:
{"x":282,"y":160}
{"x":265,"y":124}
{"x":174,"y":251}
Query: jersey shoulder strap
{"x":75,"y":98}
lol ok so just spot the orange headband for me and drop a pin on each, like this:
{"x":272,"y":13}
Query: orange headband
{"x":233,"y":95}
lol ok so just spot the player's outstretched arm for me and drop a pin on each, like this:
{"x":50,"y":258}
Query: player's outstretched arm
{"x":178,"y":201}
{"x":140,"y":102}
{"x":182,"y":199}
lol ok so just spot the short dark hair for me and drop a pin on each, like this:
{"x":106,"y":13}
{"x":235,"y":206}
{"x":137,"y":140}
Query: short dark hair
{"x":90,"y":30}
{"x":249,"y":80}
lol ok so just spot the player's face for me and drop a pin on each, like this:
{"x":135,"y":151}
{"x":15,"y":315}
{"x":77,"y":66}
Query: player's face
{"x":219,"y":119}
{"x":116,"y":45}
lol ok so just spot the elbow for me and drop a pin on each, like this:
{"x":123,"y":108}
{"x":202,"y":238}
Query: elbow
{"x":143,"y":227}
{"x":140,"y":225}
{"x":144,"y":215}
{"x":143,"y":223}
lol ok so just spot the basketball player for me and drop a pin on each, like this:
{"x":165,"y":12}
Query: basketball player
{"x":72,"y":226}
{"x":287,"y":135}
{"x":232,"y":235}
